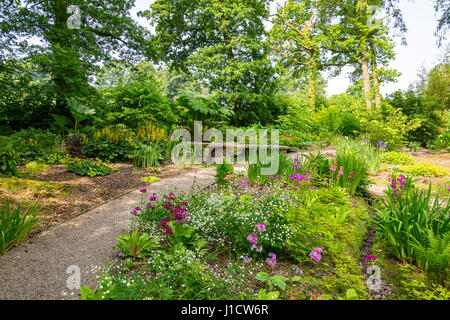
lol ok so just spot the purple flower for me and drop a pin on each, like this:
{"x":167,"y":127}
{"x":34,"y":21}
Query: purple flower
{"x":247,"y":260}
{"x":260,"y":226}
{"x":272,"y":259}
{"x":149,"y":206}
{"x":256,"y":248}
{"x":143,"y":190}
{"x":253,"y":238}
{"x":134,"y":213}
{"x":153,"y":198}
{"x":370,"y":258}
{"x":298,"y":271}
{"x":316,"y":254}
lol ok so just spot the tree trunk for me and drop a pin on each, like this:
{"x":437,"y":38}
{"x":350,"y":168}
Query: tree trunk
{"x":376,"y":81}
{"x":311,"y":85}
{"x":366,"y":77}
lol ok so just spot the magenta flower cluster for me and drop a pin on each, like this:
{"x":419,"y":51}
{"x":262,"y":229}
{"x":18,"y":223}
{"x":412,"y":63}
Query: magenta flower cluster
{"x":370,"y":258}
{"x":398,"y":185}
{"x":179,"y":214}
{"x":316,"y":254}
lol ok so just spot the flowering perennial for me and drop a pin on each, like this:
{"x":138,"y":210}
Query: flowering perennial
{"x":316,"y":254}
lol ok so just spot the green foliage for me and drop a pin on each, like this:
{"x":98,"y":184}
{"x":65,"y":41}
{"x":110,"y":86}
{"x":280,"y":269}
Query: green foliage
{"x":389,"y":125}
{"x":8,"y":160}
{"x":435,"y":258}
{"x":147,"y":156}
{"x":222,"y":171}
{"x":411,"y":220}
{"x":197,"y":107}
{"x":87,"y":168}
{"x":229,"y":56}
{"x":33,"y":168}
{"x":35,"y":145}
{"x":422,"y":110}
{"x":134,"y":104}
{"x":349,"y":125}
{"x":15,"y":224}
{"x":424,"y":170}
{"x":398,"y":158}
{"x":107,"y":150}
{"x":136,"y":245}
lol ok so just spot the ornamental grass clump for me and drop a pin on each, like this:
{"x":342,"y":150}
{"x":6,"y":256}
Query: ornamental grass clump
{"x":15,"y":224}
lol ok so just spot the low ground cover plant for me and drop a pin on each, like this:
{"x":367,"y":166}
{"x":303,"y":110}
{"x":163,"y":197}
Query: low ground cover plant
{"x":87,"y":167}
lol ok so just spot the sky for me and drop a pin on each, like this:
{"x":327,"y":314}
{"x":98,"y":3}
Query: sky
{"x":421,"y":49}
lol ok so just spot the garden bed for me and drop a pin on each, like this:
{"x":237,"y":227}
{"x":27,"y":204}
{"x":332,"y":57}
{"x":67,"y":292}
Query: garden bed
{"x":62,"y":195}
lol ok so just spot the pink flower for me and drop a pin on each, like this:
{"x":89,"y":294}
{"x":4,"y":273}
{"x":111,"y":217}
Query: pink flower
{"x":247,"y":260}
{"x":143,"y":190}
{"x":272,"y":260}
{"x":316,"y":254}
{"x":260,"y":226}
{"x":253,"y":238}
{"x":370,"y":258}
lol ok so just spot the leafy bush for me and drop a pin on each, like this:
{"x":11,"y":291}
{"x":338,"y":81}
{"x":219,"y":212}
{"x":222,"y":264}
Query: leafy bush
{"x":349,"y":125}
{"x":109,"y":151}
{"x":35,"y":145}
{"x":135,"y":103}
{"x":424,"y":170}
{"x":397,"y":158}
{"x":388,"y":125}
{"x":8,"y":161}
{"x":87,"y":168}
{"x":15,"y":225}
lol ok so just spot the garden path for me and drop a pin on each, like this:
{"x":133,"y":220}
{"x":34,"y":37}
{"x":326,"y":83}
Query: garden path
{"x":38,"y":269}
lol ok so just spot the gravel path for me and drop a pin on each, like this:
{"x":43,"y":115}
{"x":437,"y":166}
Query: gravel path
{"x":37,"y":269}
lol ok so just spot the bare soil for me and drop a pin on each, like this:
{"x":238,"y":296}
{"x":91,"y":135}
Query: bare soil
{"x":71,"y":194}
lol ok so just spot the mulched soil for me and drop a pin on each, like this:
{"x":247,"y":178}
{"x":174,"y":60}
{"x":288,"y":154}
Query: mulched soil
{"x":76,"y":194}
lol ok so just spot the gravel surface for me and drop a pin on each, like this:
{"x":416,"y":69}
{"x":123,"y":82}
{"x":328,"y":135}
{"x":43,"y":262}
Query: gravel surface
{"x":37,"y":269}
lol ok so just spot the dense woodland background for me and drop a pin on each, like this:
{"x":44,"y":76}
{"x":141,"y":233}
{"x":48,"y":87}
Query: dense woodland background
{"x":215,"y":61}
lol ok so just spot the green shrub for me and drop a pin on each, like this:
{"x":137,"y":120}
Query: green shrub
{"x":424,"y":170}
{"x":8,"y":161}
{"x":349,"y":125}
{"x":87,"y":168}
{"x":35,"y":145}
{"x":15,"y":225}
{"x":107,"y":150}
{"x":397,"y":158}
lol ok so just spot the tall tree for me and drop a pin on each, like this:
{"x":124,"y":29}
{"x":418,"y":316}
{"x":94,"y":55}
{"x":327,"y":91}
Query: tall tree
{"x":73,"y":41}
{"x":296,"y":41}
{"x":221,"y":44}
